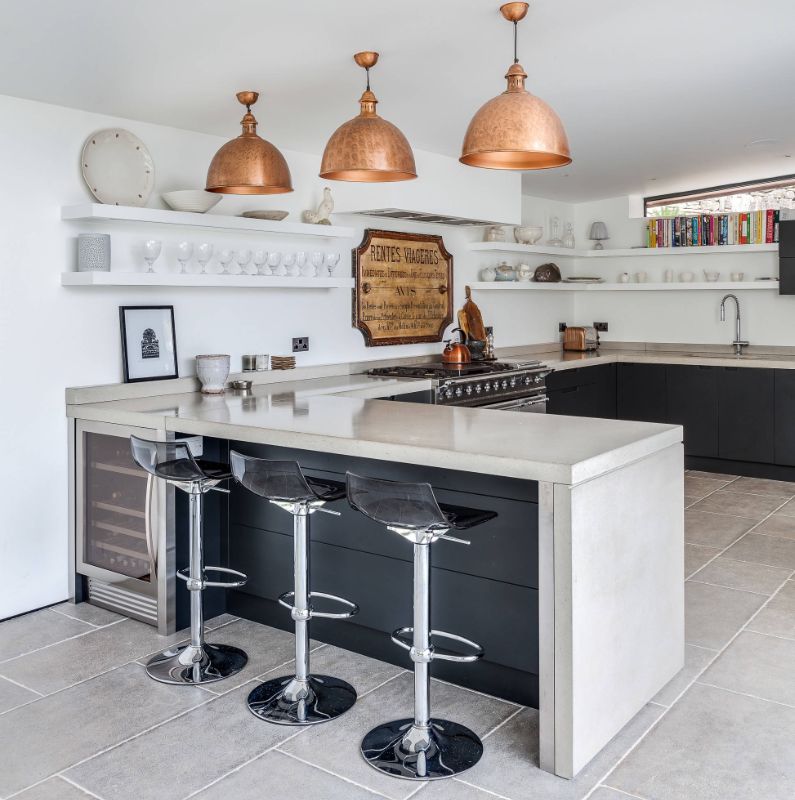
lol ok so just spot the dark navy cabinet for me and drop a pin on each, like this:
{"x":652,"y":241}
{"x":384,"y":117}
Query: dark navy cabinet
{"x":746,"y":414}
{"x":642,"y":392}
{"x":784,"y":422}
{"x":583,"y":392}
{"x":692,"y":400}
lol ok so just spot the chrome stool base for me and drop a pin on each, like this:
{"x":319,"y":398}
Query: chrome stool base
{"x":403,"y":751}
{"x":285,"y":701}
{"x":190,"y":665}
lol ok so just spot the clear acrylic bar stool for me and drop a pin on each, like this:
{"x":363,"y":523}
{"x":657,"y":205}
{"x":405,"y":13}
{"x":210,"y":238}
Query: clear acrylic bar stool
{"x":302,"y":698}
{"x":198,"y":661}
{"x":425,"y":747}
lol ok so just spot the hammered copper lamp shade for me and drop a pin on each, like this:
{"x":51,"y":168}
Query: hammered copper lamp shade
{"x":368,"y":148}
{"x":248,"y":164}
{"x":515,"y":130}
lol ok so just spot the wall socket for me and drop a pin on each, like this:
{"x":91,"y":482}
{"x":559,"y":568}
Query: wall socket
{"x":600,"y":326}
{"x":561,"y":327}
{"x":301,"y":344}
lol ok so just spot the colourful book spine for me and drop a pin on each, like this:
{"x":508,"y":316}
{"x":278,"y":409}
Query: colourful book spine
{"x":769,"y":226}
{"x":776,"y":218}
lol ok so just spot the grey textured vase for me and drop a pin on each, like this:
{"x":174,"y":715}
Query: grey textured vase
{"x":93,"y":252}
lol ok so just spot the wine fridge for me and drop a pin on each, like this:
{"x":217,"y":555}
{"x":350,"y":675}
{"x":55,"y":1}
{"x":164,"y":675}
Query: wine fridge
{"x":124,"y":548}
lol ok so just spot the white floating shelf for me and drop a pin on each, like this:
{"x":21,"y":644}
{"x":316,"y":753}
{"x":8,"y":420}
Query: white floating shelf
{"x":215,"y":281}
{"x":98,"y":212}
{"x":565,"y":252}
{"x":530,"y":286}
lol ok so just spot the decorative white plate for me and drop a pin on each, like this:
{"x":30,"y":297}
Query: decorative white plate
{"x":117,"y":168}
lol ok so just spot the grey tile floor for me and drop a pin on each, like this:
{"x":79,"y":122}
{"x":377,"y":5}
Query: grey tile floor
{"x":80,"y":719}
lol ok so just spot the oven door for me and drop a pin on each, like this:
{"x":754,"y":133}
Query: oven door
{"x":537,"y":404}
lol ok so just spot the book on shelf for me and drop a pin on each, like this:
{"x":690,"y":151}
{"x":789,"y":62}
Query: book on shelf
{"x":711,"y":230}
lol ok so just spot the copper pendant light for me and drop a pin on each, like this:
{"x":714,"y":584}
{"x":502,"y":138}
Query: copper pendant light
{"x":515,"y":130}
{"x":367,"y":148}
{"x":248,"y":164}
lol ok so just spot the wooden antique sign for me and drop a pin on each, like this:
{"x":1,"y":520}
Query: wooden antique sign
{"x":404,"y":288}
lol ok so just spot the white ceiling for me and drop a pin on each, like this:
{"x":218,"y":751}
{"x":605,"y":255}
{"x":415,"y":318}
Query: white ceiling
{"x":672,"y":91}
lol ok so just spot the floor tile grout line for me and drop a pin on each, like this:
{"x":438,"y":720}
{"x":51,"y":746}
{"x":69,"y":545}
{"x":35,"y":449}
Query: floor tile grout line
{"x":243,"y":765}
{"x":692,"y":579}
{"x":481,"y":789}
{"x":620,"y":791}
{"x":81,"y":788}
{"x":77,"y":619}
{"x":504,"y":722}
{"x":745,"y":694}
{"x":22,"y":686}
{"x":61,"y":641}
{"x":681,"y":694}
{"x":750,"y":530}
{"x":334,"y":774}
{"x":475,"y":691}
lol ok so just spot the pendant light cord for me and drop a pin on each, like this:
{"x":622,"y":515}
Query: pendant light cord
{"x":515,"y":48}
{"x":367,"y":70}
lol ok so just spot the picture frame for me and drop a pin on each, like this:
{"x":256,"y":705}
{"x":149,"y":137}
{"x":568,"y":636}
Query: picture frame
{"x":148,"y":343}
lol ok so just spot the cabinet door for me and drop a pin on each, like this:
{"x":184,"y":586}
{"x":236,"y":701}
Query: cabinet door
{"x":606,"y":386}
{"x":785,"y":417}
{"x":641,"y":392}
{"x":692,"y":394}
{"x":574,"y":401}
{"x":745,"y":414}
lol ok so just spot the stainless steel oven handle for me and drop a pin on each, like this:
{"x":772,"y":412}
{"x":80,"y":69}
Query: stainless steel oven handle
{"x":150,"y":545}
{"x":517,"y":404}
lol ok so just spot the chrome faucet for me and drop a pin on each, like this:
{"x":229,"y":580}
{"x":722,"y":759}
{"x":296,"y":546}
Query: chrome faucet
{"x":738,"y":342}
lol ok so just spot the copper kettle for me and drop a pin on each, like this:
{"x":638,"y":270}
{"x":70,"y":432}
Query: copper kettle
{"x":456,"y":352}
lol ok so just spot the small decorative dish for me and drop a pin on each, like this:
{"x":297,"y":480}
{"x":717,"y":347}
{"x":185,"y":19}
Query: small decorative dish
{"x":196,"y":201}
{"x":273,"y":216}
{"x":583,"y":279}
{"x":241,"y":386}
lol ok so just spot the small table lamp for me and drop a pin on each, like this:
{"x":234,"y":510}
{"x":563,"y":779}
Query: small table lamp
{"x":598,"y":234}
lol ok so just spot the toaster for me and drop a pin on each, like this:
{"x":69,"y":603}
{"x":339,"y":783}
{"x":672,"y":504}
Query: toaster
{"x":581,"y":338}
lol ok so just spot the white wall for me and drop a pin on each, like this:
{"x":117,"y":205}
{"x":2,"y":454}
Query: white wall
{"x":53,"y":337}
{"x":687,"y":316}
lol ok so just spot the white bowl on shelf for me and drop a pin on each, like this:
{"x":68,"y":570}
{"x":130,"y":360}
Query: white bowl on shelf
{"x":196,"y":201}
{"x":528,"y":234}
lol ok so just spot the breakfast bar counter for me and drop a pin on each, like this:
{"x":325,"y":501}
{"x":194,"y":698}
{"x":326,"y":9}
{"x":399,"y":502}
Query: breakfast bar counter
{"x":606,"y":506}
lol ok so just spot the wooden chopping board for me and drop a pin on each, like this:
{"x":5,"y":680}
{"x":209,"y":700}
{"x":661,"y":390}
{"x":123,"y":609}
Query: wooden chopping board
{"x":475,"y":327}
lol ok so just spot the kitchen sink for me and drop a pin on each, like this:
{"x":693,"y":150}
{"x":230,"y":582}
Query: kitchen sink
{"x":743,"y":357}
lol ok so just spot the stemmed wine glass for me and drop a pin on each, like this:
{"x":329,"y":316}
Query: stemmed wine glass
{"x":317,"y":263}
{"x":274,"y":260}
{"x":184,"y":254}
{"x":243,"y":257}
{"x":260,"y":260}
{"x":300,"y":261}
{"x":152,"y":248}
{"x":204,"y":252}
{"x":290,"y":267}
{"x":332,"y":259}
{"x":225,"y":259}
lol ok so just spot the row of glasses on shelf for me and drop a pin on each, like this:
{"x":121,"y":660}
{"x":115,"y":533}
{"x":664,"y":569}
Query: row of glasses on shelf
{"x":249,"y":262}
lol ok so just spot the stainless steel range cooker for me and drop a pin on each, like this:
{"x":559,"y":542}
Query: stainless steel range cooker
{"x":516,"y":386}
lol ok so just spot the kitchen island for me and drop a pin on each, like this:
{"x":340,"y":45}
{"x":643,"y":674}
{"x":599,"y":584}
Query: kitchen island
{"x":602,"y":498}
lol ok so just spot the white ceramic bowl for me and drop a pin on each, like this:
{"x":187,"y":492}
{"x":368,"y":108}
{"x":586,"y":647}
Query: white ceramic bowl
{"x":711,"y":277}
{"x":213,"y":370}
{"x":195,"y":200}
{"x":528,"y":234}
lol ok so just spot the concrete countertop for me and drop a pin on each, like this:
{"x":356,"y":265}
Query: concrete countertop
{"x":325,"y":414}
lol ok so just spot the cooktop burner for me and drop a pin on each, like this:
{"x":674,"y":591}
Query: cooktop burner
{"x":439,"y":370}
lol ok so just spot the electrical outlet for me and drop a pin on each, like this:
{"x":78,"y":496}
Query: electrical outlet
{"x":600,"y":326}
{"x":301,"y":344}
{"x":562,"y":327}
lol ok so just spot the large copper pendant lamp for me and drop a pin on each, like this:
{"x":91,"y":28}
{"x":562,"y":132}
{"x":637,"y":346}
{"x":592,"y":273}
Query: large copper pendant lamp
{"x":367,"y":148}
{"x":515,"y":130}
{"x":248,"y":164}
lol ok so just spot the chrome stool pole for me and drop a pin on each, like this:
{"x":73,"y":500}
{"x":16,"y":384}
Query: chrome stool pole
{"x":196,"y":662}
{"x":302,"y":698}
{"x":425,"y":747}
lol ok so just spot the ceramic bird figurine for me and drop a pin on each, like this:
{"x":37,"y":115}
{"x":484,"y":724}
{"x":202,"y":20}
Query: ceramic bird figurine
{"x":321,"y":216}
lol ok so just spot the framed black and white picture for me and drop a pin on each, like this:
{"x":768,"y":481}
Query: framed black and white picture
{"x":148,"y":343}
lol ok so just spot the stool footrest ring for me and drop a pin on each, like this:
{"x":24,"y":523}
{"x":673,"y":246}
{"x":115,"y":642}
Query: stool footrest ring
{"x":400,"y":638}
{"x":286,"y":601}
{"x":203,"y":583}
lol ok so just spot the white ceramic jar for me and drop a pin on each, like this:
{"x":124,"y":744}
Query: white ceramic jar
{"x":212,"y":370}
{"x":488,"y":274}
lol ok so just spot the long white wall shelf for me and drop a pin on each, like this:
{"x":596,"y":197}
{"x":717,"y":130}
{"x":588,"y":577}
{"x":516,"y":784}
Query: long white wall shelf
{"x":98,"y":212}
{"x":565,"y":252}
{"x":530,"y":286}
{"x":215,"y":281}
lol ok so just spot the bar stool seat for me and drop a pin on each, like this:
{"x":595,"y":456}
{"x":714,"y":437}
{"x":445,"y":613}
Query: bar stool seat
{"x":422,"y":747}
{"x":197,"y":662}
{"x":302,"y":698}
